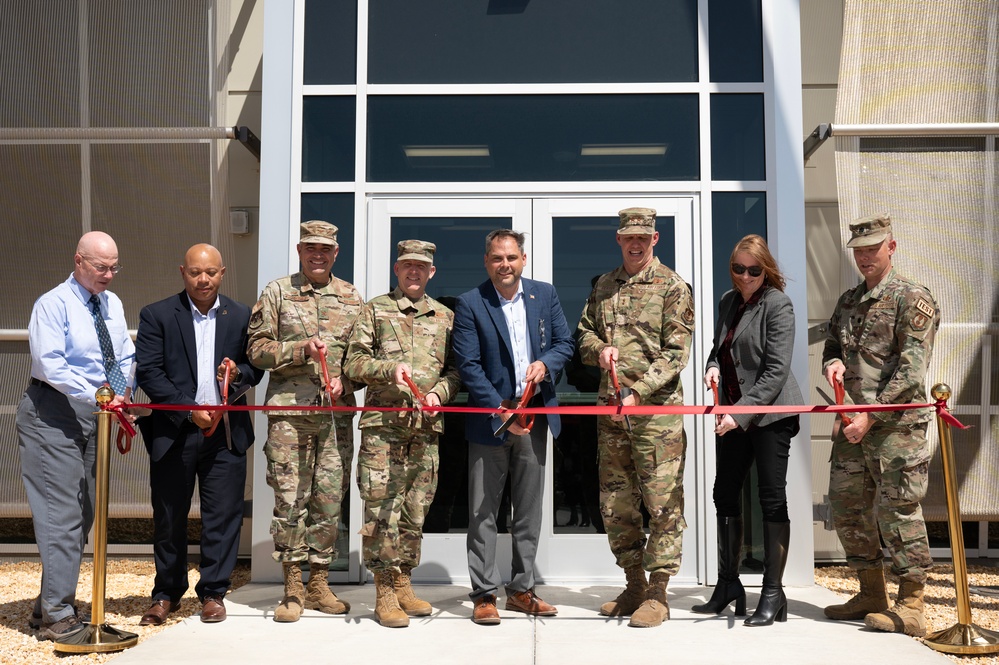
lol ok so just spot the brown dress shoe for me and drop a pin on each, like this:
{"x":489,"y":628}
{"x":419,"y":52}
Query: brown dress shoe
{"x":485,"y":612}
{"x":212,"y":609}
{"x":158,"y":611}
{"x":529,"y":603}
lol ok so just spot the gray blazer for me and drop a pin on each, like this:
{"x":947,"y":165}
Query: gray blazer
{"x":761,"y":351}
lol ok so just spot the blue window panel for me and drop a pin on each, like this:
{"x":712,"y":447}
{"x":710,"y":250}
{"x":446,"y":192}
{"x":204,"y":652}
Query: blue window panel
{"x":738,"y":137}
{"x":734,"y":215}
{"x":520,"y":41}
{"x":481,"y":138}
{"x":338,"y":210}
{"x":328,"y":139}
{"x":330,"y":42}
{"x":735,"y":41}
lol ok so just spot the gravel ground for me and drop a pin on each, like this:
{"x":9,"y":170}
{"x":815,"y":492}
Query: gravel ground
{"x":128,"y":583}
{"x":939,"y":596}
{"x":126,"y":599}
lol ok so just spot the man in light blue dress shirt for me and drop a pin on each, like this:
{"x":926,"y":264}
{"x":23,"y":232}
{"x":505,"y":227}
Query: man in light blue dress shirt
{"x":56,"y":423}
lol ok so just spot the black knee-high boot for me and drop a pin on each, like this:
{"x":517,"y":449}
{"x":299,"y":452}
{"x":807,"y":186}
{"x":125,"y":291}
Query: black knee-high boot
{"x":729,"y":585}
{"x":773,"y":602}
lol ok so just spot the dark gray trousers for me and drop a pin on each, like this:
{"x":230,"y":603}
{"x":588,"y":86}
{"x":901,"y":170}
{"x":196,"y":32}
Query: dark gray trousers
{"x":57,"y":442}
{"x":523,"y":459}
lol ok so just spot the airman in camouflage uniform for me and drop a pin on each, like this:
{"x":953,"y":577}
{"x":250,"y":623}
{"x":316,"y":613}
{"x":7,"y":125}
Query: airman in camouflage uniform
{"x":641,"y":316}
{"x":879,"y":344}
{"x":405,"y":332}
{"x":299,"y":320}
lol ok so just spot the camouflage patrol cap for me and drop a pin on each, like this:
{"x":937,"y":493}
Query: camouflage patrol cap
{"x":416,"y":250}
{"x":317,"y":232}
{"x":869,"y":231}
{"x":637,"y":220}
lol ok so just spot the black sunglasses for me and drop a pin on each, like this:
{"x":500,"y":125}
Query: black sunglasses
{"x":754,"y":271}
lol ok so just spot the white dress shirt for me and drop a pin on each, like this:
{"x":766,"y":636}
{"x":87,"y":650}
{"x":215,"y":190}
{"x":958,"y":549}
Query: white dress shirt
{"x":515,"y":313}
{"x":204,"y":336}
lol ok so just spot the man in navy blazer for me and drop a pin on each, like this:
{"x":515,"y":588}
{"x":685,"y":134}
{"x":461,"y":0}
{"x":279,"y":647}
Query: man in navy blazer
{"x":179,"y":350}
{"x":508,"y":332}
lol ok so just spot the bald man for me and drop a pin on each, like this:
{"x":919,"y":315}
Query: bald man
{"x":180,"y":348}
{"x":79,"y":341}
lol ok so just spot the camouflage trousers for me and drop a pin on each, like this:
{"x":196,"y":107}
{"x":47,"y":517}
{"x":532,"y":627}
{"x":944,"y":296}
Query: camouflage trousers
{"x":397,"y":478}
{"x":644,"y":466}
{"x":306,"y":459}
{"x":874,"y":489}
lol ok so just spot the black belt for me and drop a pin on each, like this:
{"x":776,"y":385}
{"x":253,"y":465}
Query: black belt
{"x":40,"y":384}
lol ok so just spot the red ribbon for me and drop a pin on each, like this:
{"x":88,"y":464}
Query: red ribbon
{"x":947,"y":416}
{"x":126,"y":432}
{"x":598,"y":410}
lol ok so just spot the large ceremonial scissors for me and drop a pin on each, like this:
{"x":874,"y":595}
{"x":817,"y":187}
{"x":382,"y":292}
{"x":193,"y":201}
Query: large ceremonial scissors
{"x":525,"y":420}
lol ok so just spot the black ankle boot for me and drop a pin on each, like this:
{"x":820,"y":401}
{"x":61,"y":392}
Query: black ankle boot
{"x":773,"y":602}
{"x":729,"y":587}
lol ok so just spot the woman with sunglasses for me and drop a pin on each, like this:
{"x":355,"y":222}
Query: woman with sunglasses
{"x":750,"y":364}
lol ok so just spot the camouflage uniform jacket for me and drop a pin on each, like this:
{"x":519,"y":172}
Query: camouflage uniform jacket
{"x":649,"y":317}
{"x":392,"y":329}
{"x":884,"y":337}
{"x":290,"y":312}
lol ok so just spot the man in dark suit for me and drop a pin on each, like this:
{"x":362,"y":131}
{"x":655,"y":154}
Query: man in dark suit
{"x":180,"y":348}
{"x":508,"y":333}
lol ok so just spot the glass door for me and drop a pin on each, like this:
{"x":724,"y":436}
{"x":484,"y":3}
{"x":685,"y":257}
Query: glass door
{"x":458,"y":227}
{"x":569,"y":241}
{"x":574,"y":241}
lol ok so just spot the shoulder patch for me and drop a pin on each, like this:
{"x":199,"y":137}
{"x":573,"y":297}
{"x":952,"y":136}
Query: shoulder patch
{"x":256,"y":319}
{"x":925,"y":307}
{"x":688,"y":316}
{"x":919,"y":321}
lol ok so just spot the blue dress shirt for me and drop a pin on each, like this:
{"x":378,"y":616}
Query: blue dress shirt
{"x":65,"y":351}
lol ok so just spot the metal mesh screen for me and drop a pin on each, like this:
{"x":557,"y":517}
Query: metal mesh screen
{"x":96,"y":64}
{"x":41,"y":62}
{"x":933,"y":62}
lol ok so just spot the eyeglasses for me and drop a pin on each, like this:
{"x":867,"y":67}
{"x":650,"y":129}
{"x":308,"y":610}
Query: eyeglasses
{"x":101,"y":268}
{"x":754,"y":271}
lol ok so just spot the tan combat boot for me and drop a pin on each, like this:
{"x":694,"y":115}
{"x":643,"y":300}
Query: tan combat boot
{"x":631,"y":598}
{"x":873,"y":597}
{"x":906,"y":616}
{"x":655,"y":609}
{"x":410,"y":604}
{"x":317,"y":592}
{"x":290,"y":607}
{"x":387,"y":610}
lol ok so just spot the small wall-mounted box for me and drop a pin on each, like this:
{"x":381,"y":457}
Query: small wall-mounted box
{"x":239,"y":222}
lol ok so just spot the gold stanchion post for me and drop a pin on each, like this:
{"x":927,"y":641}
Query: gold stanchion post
{"x":964,"y":637}
{"x":97,"y":636}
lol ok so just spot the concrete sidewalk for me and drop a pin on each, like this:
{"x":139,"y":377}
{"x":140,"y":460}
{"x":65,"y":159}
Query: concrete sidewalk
{"x":578,"y":635}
